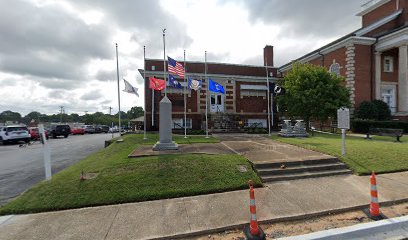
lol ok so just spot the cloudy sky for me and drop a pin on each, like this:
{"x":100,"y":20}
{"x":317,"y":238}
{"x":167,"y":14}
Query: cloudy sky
{"x":62,"y":52}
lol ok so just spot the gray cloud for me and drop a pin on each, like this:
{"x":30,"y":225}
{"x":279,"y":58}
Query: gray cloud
{"x":48,"y":42}
{"x":93,"y":95}
{"x":57,"y":94}
{"x":146,"y":19}
{"x":8,"y":82}
{"x":106,"y":75}
{"x":297,"y":18}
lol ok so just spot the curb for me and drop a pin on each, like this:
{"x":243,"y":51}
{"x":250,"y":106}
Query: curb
{"x":387,"y":228}
{"x":280,"y":219}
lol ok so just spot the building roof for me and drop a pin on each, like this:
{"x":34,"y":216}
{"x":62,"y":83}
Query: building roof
{"x":355,"y":37}
{"x":139,"y":119}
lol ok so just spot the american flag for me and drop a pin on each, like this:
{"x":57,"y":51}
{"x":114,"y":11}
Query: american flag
{"x":175,"y":67}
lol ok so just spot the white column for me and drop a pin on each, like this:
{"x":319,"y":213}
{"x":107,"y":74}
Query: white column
{"x":378,"y":75}
{"x":403,"y":79}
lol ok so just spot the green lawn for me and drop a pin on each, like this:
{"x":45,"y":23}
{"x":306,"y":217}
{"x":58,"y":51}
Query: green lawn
{"x":382,"y":154}
{"x":121,"y":179}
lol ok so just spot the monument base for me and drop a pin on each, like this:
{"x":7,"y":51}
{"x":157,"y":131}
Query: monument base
{"x":292,"y":134}
{"x":165,"y":146}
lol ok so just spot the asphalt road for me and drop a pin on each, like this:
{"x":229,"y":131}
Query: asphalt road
{"x":22,"y":167}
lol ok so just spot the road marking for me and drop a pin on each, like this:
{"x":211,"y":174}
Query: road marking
{"x":230,"y":148}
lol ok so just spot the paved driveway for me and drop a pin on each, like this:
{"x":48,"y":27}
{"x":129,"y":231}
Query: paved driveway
{"x":22,"y":167}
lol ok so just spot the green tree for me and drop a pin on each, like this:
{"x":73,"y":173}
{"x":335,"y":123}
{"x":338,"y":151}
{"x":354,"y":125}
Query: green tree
{"x":10,"y":116}
{"x":313,"y":93}
{"x":135,"y":112}
{"x":33,"y":115}
{"x":374,"y":110}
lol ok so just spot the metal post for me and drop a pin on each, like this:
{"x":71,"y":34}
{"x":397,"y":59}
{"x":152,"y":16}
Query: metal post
{"x":144,"y":79}
{"x":117,"y":74}
{"x":206,"y":97}
{"x":343,"y":142}
{"x":268,"y":92}
{"x":164,"y":62}
{"x":272,"y":113}
{"x":185,"y":98}
{"x":152,"y":107}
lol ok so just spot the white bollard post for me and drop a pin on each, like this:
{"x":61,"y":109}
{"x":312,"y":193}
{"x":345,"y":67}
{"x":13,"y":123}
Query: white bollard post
{"x":343,"y":142}
{"x":47,"y":152}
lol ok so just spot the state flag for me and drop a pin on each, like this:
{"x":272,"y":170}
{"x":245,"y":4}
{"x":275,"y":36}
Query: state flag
{"x":173,"y":82}
{"x":194,"y":84}
{"x":215,"y":87}
{"x":157,"y":84}
{"x":129,"y":88}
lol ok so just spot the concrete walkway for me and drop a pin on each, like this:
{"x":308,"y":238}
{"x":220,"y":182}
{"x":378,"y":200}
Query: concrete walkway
{"x":261,"y":149}
{"x":202,"y":214}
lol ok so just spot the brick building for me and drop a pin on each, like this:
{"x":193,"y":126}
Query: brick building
{"x":244,"y":103}
{"x":374,"y":58}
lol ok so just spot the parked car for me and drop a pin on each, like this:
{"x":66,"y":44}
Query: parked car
{"x":60,"y":130}
{"x":77,"y":131}
{"x":14,"y":134}
{"x":89,"y":128}
{"x":35,"y":133}
{"x":103,"y":128}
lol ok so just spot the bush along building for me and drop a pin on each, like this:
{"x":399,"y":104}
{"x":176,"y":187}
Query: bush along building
{"x":244,"y":103}
{"x":373,"y":59}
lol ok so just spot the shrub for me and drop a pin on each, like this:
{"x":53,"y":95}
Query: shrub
{"x":362,"y":126}
{"x":383,"y":111}
{"x":366,"y":110}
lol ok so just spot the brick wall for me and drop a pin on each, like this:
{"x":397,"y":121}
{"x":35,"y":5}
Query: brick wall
{"x":380,"y":12}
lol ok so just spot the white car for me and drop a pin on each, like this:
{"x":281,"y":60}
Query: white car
{"x":14,"y":134}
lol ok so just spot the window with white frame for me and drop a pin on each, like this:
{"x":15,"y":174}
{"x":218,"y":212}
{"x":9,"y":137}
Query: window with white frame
{"x":253,"y":93}
{"x":388,"y":94}
{"x":179,"y":123}
{"x":335,"y":68}
{"x":388,"y":64}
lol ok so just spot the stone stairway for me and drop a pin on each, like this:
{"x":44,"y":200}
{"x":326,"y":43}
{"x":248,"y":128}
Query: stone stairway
{"x":280,"y":171}
{"x":222,"y":122}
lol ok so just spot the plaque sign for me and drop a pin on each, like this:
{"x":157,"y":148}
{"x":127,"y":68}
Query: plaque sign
{"x":343,"y":118}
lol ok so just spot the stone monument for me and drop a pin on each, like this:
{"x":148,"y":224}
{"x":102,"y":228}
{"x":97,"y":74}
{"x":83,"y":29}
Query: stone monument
{"x":166,"y":141}
{"x":298,"y":130}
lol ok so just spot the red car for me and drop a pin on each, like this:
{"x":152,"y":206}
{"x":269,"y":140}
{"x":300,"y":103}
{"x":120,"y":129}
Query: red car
{"x":35,"y":133}
{"x":77,"y":130}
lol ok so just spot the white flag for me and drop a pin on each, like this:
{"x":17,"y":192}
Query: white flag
{"x":129,"y":88}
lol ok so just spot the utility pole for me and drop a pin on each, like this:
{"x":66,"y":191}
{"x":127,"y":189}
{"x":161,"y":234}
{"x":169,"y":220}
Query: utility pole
{"x":61,"y":110}
{"x":110,"y":110}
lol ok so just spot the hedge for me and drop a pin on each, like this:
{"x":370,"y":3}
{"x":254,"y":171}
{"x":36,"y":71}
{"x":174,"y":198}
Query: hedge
{"x":362,"y":126}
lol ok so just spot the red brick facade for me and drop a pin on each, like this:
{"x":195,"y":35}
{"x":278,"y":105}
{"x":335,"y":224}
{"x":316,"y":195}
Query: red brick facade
{"x":232,"y":77}
{"x":365,"y":54}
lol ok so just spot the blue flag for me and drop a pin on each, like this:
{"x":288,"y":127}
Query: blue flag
{"x":194,"y":84}
{"x":215,"y":87}
{"x":173,"y":82}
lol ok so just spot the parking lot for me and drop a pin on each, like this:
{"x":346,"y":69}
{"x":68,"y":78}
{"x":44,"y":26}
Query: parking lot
{"x":22,"y":166}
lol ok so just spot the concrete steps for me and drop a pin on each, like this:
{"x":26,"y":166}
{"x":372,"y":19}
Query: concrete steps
{"x":280,"y":171}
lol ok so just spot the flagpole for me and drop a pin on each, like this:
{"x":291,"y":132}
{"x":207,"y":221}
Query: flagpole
{"x":152,"y":107}
{"x":164,"y":62}
{"x":117,"y":74}
{"x":144,"y":79}
{"x":206,"y":97}
{"x":185,"y":99}
{"x":267,"y":85}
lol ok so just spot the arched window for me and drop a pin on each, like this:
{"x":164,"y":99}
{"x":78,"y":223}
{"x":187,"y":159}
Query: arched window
{"x":335,"y":68}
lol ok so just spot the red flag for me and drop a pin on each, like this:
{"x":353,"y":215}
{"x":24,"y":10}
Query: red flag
{"x":157,"y":84}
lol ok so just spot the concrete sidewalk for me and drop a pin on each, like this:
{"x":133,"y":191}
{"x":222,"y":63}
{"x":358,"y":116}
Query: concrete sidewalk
{"x":202,"y":214}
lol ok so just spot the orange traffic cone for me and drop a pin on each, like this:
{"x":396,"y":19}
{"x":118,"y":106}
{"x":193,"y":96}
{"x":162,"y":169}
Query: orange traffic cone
{"x":374,"y":205}
{"x":82,"y":176}
{"x":253,"y":231}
